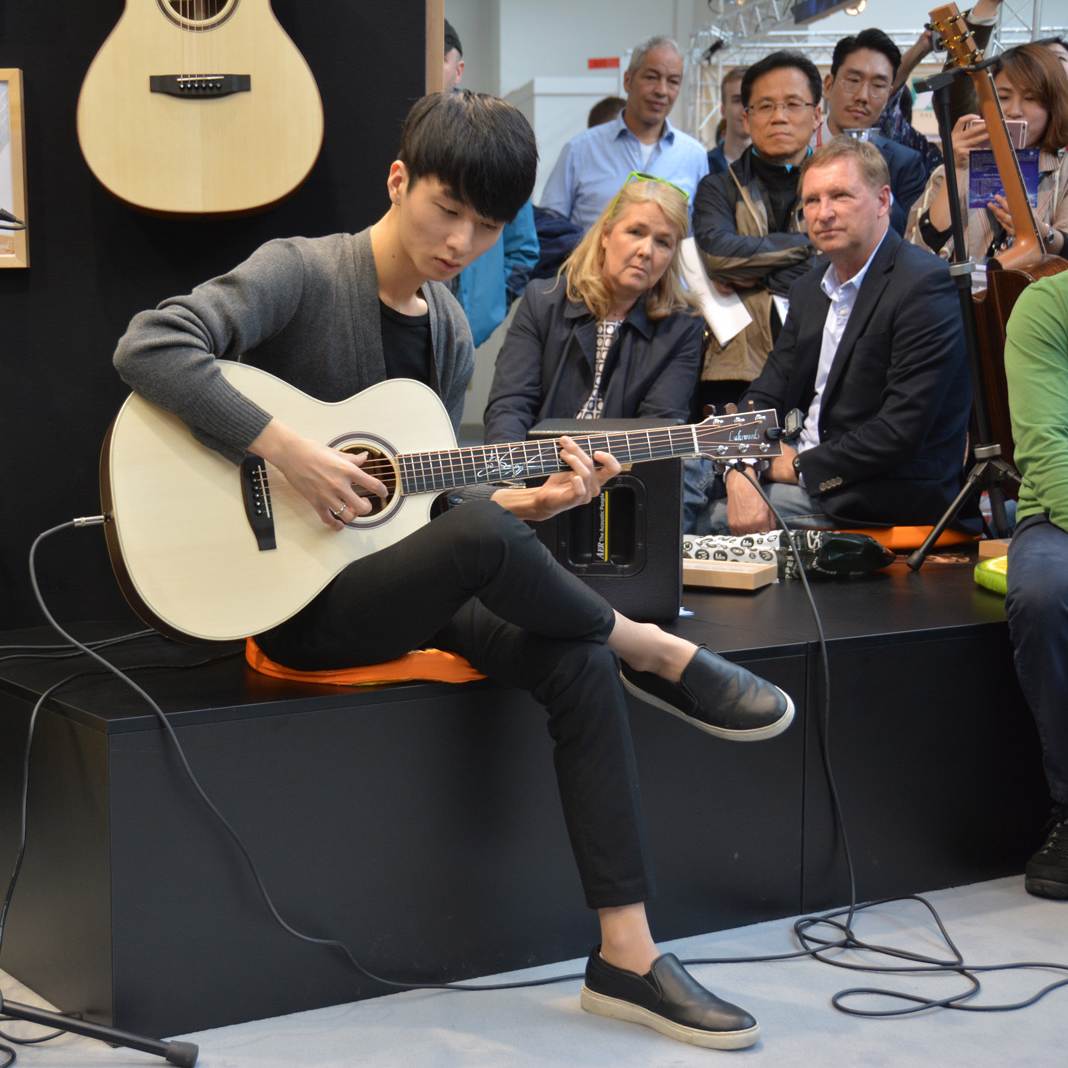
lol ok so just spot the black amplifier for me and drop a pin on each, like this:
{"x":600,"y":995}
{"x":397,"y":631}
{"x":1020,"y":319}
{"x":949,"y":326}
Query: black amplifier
{"x":627,"y":543}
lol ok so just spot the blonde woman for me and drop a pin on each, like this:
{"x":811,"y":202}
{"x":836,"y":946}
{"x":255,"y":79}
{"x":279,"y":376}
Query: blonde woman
{"x":614,"y":335}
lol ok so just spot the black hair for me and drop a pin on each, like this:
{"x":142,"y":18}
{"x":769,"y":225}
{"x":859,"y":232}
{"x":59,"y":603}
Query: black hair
{"x":778,"y":61}
{"x":479,"y":146}
{"x":452,"y":39}
{"x":605,"y":110}
{"x":874,"y":39}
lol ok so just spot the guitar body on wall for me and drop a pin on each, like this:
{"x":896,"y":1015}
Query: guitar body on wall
{"x":204,"y":548}
{"x":199,"y":107}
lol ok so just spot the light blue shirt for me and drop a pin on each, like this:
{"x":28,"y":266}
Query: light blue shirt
{"x":594,"y":164}
{"x":843,"y":296}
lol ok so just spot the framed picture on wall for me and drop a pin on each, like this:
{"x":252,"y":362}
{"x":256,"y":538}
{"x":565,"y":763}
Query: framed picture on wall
{"x":14,"y":242}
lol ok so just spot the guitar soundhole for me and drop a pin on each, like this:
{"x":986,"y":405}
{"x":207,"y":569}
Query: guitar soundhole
{"x":198,"y":14}
{"x":383,"y":467}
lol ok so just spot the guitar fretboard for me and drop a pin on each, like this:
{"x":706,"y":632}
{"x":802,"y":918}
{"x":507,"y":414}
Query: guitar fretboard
{"x":433,"y":472}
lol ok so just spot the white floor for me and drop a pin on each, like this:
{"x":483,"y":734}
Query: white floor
{"x":993,"y":922}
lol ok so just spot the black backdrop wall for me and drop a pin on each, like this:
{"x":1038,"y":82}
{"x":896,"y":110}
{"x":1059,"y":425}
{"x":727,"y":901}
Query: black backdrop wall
{"x":96,"y":262}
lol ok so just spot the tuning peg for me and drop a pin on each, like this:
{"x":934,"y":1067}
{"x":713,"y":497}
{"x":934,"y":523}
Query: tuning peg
{"x":709,"y":410}
{"x":730,"y":409}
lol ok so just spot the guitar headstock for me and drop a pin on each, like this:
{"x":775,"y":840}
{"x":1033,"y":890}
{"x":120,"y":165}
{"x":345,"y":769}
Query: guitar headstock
{"x":949,"y":23}
{"x":744,"y":435}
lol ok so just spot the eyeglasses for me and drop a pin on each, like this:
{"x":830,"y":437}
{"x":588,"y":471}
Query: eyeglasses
{"x":641,"y":176}
{"x":852,"y":85}
{"x":766,"y":108}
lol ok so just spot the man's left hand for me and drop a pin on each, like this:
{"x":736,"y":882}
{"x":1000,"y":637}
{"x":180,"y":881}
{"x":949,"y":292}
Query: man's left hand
{"x":782,"y":467}
{"x":580,"y":485}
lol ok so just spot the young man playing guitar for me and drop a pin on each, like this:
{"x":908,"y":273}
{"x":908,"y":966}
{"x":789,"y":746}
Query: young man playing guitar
{"x":337,"y":314}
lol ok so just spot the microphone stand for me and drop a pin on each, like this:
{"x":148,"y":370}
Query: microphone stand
{"x":988,"y":470}
{"x":183,"y":1054}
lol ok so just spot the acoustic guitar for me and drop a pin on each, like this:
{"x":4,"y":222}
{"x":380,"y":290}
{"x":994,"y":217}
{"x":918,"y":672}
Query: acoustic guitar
{"x":1025,"y":260}
{"x":211,"y":550}
{"x":199,"y":107}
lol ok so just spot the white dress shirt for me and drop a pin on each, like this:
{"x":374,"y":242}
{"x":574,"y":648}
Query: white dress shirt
{"x":843,"y":295}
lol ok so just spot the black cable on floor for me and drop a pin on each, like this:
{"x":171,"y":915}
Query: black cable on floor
{"x":813,"y":945}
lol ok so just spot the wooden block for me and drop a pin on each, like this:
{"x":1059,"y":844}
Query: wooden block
{"x":728,"y":574}
{"x":989,"y":547}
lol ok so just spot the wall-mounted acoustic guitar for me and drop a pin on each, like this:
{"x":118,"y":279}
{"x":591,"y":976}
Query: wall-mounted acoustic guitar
{"x":199,"y":107}
{"x":204,"y":548}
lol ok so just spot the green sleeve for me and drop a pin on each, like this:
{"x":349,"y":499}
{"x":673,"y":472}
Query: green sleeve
{"x":1036,"y":367}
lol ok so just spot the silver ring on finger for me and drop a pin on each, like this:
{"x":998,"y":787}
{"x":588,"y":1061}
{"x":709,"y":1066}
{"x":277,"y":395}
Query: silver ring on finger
{"x":339,"y":512}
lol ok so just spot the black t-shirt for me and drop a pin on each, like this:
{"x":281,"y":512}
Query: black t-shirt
{"x":407,"y":347}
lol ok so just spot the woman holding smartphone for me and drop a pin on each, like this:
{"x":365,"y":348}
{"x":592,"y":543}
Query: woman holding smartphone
{"x":1033,"y":89}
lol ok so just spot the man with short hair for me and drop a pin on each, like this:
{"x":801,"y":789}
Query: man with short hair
{"x":454,"y":58}
{"x":735,"y":131}
{"x":487,"y":287}
{"x":746,"y":221}
{"x":872,"y":352}
{"x":863,"y":69}
{"x":595,"y":163}
{"x":334,"y":315}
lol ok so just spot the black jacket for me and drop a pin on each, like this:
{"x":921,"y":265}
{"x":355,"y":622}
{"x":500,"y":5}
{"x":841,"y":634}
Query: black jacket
{"x":545,"y":368}
{"x":895,"y":409}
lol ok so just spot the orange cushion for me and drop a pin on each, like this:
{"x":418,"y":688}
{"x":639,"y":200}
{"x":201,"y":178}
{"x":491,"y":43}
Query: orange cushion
{"x":899,"y":539}
{"x":424,"y":665}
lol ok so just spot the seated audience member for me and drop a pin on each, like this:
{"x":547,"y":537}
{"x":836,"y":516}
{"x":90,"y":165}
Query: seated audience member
{"x":863,"y":69}
{"x":1059,"y":47}
{"x":1036,"y":367}
{"x":487,"y":287}
{"x":605,"y":110}
{"x":613,"y":336}
{"x":873,"y":353}
{"x":896,"y":120}
{"x":735,"y":137}
{"x":746,"y":220}
{"x":1032,"y":86}
{"x":595,"y":163}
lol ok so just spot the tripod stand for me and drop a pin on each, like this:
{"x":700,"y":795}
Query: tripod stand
{"x":183,"y":1054}
{"x":988,"y":469}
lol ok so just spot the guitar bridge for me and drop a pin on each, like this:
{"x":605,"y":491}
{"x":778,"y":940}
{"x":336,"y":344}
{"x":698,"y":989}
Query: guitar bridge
{"x":256,"y":493}
{"x":200,"y":85}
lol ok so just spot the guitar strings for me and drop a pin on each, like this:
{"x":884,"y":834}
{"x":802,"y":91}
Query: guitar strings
{"x":662,"y":438}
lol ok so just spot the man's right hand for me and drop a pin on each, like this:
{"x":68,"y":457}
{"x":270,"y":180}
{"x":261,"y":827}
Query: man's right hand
{"x":326,"y":478}
{"x":746,"y":511}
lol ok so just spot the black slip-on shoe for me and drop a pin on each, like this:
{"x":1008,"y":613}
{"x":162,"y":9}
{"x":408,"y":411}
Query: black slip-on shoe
{"x":717,"y":696}
{"x":669,"y":1000}
{"x":1046,"y":874}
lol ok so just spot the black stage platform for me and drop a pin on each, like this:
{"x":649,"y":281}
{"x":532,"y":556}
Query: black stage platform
{"x":420,"y":823}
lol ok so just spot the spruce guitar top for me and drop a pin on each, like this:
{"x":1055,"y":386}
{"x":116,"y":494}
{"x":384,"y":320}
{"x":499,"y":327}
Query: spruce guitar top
{"x":199,"y":107}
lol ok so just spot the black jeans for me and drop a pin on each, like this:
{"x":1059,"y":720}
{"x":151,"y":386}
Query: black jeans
{"x":1037,"y":607}
{"x":476,"y":581}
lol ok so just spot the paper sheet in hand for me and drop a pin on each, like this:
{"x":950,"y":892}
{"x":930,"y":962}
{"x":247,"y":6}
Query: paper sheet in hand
{"x":725,"y":314}
{"x":984,"y":180}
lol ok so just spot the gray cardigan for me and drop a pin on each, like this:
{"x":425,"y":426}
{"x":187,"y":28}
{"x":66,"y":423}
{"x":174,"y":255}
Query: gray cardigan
{"x":305,"y":309}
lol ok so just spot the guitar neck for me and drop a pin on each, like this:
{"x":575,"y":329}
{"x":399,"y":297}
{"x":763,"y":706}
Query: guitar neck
{"x":1027,"y":247}
{"x":433,"y":472}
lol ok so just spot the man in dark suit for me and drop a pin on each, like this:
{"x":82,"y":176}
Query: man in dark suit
{"x":872,"y":352}
{"x":863,"y":70}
